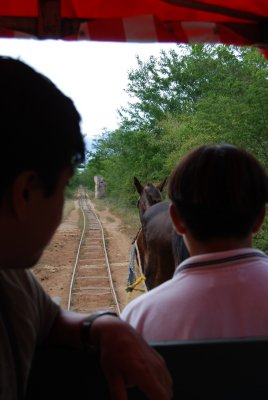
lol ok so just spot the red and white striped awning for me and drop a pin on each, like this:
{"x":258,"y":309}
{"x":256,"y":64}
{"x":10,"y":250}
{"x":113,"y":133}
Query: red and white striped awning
{"x":239,"y":22}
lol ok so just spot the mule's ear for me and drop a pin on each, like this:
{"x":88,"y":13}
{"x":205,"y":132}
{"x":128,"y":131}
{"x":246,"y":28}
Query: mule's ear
{"x":161,"y":185}
{"x":138,"y":185}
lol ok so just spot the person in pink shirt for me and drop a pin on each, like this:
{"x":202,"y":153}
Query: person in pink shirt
{"x":218,"y":202}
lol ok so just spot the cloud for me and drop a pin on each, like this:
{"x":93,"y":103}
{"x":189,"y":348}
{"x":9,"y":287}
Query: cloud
{"x":93,"y":74}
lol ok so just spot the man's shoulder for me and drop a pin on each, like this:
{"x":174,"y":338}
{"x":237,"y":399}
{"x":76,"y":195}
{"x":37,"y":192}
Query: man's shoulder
{"x":148,"y":299}
{"x":14,"y":275}
{"x":22,"y":280}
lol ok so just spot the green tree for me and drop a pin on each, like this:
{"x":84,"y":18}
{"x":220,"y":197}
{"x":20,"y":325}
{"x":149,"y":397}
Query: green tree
{"x":198,"y":94}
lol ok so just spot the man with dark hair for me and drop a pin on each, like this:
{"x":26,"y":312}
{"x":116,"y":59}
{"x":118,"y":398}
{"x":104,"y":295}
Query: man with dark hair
{"x":41,"y":145}
{"x":218,"y":197}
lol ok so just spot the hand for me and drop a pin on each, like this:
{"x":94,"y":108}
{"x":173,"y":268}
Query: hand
{"x":127,"y":360}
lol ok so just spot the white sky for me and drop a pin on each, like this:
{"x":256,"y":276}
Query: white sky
{"x":93,"y":74}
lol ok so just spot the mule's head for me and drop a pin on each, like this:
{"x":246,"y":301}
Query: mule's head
{"x":149,"y":194}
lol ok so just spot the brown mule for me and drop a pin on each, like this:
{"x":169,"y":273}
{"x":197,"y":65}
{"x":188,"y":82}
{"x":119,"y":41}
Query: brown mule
{"x":160,"y":248}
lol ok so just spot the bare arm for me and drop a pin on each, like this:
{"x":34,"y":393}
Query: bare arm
{"x":125,"y":357}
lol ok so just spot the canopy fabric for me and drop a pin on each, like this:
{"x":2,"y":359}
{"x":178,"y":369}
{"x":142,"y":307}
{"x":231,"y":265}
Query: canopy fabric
{"x":239,"y":22}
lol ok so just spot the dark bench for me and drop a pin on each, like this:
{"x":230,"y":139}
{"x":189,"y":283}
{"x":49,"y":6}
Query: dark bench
{"x":219,"y":369}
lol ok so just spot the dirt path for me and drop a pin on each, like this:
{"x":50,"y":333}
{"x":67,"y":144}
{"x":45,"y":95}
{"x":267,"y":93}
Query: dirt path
{"x":54,"y":269}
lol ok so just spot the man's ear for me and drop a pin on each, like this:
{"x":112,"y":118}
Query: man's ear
{"x":259,"y":222}
{"x":176,"y":220}
{"x":23,"y":189}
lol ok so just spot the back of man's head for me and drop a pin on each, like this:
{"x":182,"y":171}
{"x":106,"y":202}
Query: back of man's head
{"x":219,"y":191}
{"x":39,"y":126}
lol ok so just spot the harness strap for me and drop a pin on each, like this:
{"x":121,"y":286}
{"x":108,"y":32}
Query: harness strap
{"x":130,"y":288}
{"x":136,"y":236}
{"x":138,"y":257}
{"x":131,"y":269}
{"x":132,"y":280}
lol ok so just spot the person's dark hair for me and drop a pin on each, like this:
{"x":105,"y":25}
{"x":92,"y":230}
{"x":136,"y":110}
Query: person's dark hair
{"x":219,"y":191}
{"x":40,"y":126}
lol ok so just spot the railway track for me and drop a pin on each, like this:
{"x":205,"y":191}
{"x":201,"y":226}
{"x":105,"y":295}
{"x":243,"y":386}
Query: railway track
{"x":91,"y":287}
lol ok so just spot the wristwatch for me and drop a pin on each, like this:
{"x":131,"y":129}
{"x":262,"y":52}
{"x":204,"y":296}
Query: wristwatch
{"x":86,"y":327}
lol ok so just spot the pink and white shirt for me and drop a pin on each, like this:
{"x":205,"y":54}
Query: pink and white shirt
{"x":216,"y":295}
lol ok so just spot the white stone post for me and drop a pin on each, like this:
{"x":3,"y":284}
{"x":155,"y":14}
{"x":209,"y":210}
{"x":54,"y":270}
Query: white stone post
{"x":100,"y":187}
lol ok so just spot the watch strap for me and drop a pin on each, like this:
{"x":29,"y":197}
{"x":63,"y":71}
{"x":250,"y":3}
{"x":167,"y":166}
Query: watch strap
{"x":85,"y":334}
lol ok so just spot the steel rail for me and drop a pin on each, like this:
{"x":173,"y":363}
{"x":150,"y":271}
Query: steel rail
{"x":107,"y":261}
{"x":77,"y":257}
{"x":87,"y":207}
